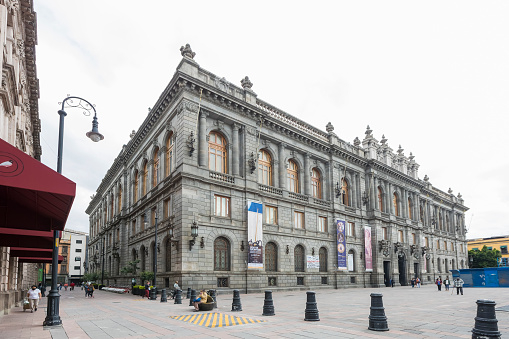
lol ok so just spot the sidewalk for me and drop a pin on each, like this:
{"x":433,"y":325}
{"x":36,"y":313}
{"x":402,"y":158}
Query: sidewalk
{"x":411,"y":313}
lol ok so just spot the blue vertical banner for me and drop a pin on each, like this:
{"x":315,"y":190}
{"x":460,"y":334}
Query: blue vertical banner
{"x":255,"y":235}
{"x":341,"y":244}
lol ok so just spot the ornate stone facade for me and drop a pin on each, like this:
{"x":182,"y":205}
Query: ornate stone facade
{"x":19,"y":119}
{"x":208,"y":147}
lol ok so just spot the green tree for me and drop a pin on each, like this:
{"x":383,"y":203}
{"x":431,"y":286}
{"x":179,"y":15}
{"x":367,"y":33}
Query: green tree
{"x":93,"y":276}
{"x":131,"y":267}
{"x":484,"y":258}
{"x":147,"y":275}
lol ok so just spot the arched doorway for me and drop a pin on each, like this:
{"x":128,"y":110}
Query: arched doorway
{"x":402,"y":269}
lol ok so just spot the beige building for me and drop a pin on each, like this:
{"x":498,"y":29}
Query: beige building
{"x":19,"y":124}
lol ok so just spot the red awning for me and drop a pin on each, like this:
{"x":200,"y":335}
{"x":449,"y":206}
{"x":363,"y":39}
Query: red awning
{"x":40,"y":260}
{"x":31,"y":252}
{"x":32,"y":195}
{"x":11,"y":237}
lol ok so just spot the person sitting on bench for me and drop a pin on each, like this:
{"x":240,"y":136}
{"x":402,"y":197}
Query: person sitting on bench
{"x":202,"y":298}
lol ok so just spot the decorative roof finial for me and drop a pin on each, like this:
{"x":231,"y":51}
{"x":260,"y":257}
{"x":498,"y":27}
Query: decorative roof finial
{"x":449,"y":191}
{"x":426,"y":178}
{"x":329,"y":128}
{"x":411,"y":157}
{"x":187,"y":52}
{"x":459,"y":195}
{"x":133,"y":133}
{"x":246,"y":83}
{"x":383,"y":141}
{"x":400,"y":150}
{"x":368,"y":132}
{"x":356,"y":141}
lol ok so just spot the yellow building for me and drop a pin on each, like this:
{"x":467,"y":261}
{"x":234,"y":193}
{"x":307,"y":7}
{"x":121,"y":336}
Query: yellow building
{"x":500,"y":243}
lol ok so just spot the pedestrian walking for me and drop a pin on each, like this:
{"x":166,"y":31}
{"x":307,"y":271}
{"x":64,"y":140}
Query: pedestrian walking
{"x":72,"y":286}
{"x":413,"y":282}
{"x":418,"y":282}
{"x":438,"y":282}
{"x":447,"y":283}
{"x":65,"y":286}
{"x":458,"y":283}
{"x":392,"y":282}
{"x":34,"y":294}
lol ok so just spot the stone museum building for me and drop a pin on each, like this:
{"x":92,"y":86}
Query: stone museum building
{"x":20,"y":127}
{"x":213,"y":162}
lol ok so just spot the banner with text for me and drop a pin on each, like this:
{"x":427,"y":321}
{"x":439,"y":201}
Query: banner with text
{"x":254,"y":235}
{"x":368,"y":249}
{"x":313,"y":261}
{"x":341,"y":244}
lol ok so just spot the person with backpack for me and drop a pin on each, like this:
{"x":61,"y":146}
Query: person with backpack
{"x":438,"y":282}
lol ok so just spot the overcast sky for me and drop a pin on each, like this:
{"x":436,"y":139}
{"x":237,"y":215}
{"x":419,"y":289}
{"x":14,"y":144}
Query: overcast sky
{"x":432,"y":76}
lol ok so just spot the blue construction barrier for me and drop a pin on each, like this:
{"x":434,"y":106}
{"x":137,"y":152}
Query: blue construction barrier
{"x":483,"y":277}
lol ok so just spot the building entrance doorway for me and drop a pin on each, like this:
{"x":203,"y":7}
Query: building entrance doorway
{"x":387,"y":273}
{"x":402,"y":269}
{"x":416,"y":269}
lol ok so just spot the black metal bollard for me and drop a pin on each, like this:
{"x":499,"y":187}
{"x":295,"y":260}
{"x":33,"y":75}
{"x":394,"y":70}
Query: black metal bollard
{"x":178,"y":297}
{"x":212,"y":294}
{"x":188,"y":293}
{"x":268,"y":304}
{"x":236,"y":305}
{"x":377,"y":318}
{"x":486,"y":321}
{"x":153,"y":294}
{"x":164,"y":298}
{"x":311,"y":313}
{"x":192,"y":297}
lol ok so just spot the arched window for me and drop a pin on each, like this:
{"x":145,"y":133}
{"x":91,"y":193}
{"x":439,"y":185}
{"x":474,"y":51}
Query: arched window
{"x":292,"y":175}
{"x":265,"y":168}
{"x":169,"y":155}
{"x":298,"y":258}
{"x":221,"y":254}
{"x":145,"y":178}
{"x":380,"y":200}
{"x":142,"y":258}
{"x":217,"y":152}
{"x":119,"y":199}
{"x":395,"y":203}
{"x":168,"y":255}
{"x":270,"y":257}
{"x":155,"y":168}
{"x":346,"y":193}
{"x":322,"y":255}
{"x":316,"y":182}
{"x":112,"y":205}
{"x":409,"y":208}
{"x":136,"y":186}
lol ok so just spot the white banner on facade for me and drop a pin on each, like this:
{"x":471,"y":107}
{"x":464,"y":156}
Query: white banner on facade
{"x":255,"y":234}
{"x":313,"y":261}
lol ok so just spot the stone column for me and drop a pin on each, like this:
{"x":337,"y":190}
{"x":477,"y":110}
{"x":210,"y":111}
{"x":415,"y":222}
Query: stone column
{"x":358,"y":197}
{"x":326,"y":181}
{"x":354,"y":190}
{"x":282,"y":167}
{"x":307,"y":174}
{"x":202,"y":140}
{"x":375,"y":193}
{"x":389,"y":199}
{"x":236,"y":153}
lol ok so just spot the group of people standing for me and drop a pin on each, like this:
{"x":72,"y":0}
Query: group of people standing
{"x":457,"y":283}
{"x":416,"y":282}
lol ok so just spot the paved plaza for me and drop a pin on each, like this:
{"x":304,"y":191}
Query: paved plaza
{"x":411,"y":313}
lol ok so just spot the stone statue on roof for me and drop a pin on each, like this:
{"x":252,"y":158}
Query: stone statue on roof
{"x":187,"y":52}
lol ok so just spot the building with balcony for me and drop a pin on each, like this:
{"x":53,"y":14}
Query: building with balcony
{"x":247,"y":196}
{"x":500,"y":243}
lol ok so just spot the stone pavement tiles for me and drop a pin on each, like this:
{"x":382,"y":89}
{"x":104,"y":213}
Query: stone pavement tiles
{"x":411,"y":313}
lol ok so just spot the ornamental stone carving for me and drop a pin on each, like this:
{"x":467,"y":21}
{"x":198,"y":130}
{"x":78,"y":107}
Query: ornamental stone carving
{"x":187,"y":105}
{"x":384,"y":247}
{"x":357,"y":141}
{"x":399,"y":249}
{"x":246,"y":83}
{"x":368,"y":132}
{"x":222,"y":84}
{"x":187,"y":52}
{"x":329,"y":128}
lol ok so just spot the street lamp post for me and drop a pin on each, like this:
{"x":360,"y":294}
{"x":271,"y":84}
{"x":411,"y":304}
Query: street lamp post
{"x":52,"y":315}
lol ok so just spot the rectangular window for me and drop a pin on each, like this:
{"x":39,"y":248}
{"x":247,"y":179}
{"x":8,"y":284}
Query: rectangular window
{"x":166,"y":208}
{"x":350,"y":229}
{"x":490,"y":248}
{"x":77,"y":267}
{"x":461,"y":248}
{"x":503,"y":249}
{"x":64,"y":250}
{"x":504,"y":262}
{"x":142,"y":223}
{"x":384,"y":233}
{"x":271,"y":215}
{"x":79,"y":241}
{"x":322,"y":224}
{"x":78,"y":250}
{"x":475,"y":249}
{"x":413,"y":238}
{"x":298,"y":220}
{"x":426,"y":240}
{"x":118,"y":235}
{"x":400,"y":236}
{"x":351,"y":267}
{"x":133,"y":227}
{"x":438,"y":244}
{"x":221,"y":206}
{"x":153,"y":216}
{"x":445,"y":245}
